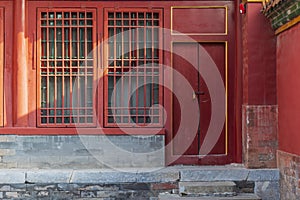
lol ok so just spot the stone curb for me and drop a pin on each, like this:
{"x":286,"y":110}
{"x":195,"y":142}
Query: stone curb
{"x":11,"y":176}
{"x":123,"y":177}
{"x":49,"y":176}
{"x":230,"y":175}
{"x":264,"y":175}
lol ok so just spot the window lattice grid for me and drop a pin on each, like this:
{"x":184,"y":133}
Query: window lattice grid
{"x":66,"y":67}
{"x":133,"y":78}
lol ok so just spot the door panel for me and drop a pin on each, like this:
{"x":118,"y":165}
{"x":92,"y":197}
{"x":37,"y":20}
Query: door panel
{"x":217,"y":52}
{"x":213,"y":20}
{"x":187,"y":61}
{"x":186,"y":139}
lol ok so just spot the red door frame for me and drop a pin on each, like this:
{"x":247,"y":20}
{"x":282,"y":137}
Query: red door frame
{"x":234,"y":95}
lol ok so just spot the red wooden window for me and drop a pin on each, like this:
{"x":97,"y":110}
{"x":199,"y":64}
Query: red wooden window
{"x":66,"y":66}
{"x":133,"y":76}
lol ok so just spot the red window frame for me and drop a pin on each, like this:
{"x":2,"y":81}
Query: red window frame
{"x":1,"y":64}
{"x":66,"y":65}
{"x":125,"y":63}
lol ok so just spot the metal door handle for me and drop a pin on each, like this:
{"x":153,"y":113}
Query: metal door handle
{"x":197,"y":93}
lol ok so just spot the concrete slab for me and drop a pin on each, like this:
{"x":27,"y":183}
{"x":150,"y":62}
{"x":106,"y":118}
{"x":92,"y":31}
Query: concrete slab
{"x":49,"y":176}
{"x":264,"y":175}
{"x":111,"y":176}
{"x":12,"y":176}
{"x":268,"y":190}
{"x":158,"y":176}
{"x":238,"y":197}
{"x":208,"y":188}
{"x":80,"y":176}
{"x":214,"y":175}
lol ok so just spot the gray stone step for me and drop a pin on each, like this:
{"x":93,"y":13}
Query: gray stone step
{"x":242,"y":196}
{"x":212,"y":188}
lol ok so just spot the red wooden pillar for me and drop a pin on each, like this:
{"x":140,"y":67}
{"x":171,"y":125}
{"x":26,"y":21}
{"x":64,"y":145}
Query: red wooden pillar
{"x":20,"y":66}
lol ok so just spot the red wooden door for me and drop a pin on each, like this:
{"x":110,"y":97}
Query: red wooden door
{"x":203,"y":63}
{"x":192,"y":106}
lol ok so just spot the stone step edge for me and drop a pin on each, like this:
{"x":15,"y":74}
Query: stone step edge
{"x":212,"y":188}
{"x":224,"y":194}
{"x":209,"y":183}
{"x":240,"y":196}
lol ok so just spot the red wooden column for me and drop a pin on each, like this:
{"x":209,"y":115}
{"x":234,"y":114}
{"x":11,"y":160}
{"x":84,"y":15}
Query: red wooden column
{"x":20,"y":66}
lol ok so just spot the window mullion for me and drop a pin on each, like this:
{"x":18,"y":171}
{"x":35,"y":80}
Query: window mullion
{"x":68,"y":81}
{"x":122,"y":72}
{"x":63,"y":70}
{"x":78,"y":73}
{"x":114,"y":72}
{"x":151,"y":71}
{"x":85,"y":69}
{"x":145,"y":66}
{"x":131,"y":49}
{"x":55,"y":68}
{"x":48,"y":69}
{"x":160,"y":78}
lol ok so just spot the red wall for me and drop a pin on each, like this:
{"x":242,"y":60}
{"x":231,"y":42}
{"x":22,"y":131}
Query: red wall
{"x":259,"y":58}
{"x":259,"y":110}
{"x":288,"y":69}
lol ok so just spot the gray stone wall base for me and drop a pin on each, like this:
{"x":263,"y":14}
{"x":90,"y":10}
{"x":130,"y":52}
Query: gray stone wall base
{"x":81,"y":151}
